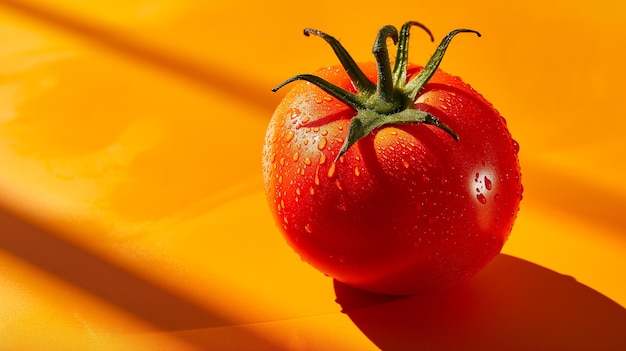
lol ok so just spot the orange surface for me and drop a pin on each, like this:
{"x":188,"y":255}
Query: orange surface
{"x":132,"y":213}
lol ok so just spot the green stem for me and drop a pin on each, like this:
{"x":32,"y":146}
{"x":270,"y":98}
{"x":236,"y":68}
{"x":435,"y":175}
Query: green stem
{"x":391,"y":101}
{"x":402,"y":54}
{"x":385,"y":80}
{"x":361,"y":82}
{"x":414,"y":86}
{"x":343,"y":95}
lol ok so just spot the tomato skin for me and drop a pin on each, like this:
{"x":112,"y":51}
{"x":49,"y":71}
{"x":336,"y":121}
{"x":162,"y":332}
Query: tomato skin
{"x":407,"y":209}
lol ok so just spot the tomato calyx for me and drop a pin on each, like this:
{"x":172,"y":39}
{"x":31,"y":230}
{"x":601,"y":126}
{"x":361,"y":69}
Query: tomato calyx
{"x":391,"y":100}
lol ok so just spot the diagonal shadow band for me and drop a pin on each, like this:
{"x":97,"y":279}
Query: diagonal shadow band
{"x":166,"y":310}
{"x":511,"y":305}
{"x":209,"y":74}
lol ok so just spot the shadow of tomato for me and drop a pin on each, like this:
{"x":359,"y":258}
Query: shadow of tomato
{"x":511,"y":305}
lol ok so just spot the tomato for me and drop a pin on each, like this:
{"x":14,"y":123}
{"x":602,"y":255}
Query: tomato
{"x":393,"y":181}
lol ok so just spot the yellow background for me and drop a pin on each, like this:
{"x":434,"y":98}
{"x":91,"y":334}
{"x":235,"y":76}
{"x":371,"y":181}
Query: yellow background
{"x":132,"y":213}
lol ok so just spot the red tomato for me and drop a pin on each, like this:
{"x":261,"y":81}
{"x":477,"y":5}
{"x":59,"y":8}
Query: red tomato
{"x":407,"y":208}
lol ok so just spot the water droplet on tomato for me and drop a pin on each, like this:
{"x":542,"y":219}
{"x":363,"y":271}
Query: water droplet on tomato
{"x":324,"y":132}
{"x":405,"y":164}
{"x":515,"y":147}
{"x":317,"y":177}
{"x":308,"y":228}
{"x":488,"y":184}
{"x":357,"y":172}
{"x":322,"y":159}
{"x":296,"y":156}
{"x":289,"y":136}
{"x":295,"y":113}
{"x":322,"y":144}
{"x":328,"y":98}
{"x":331,"y":170}
{"x":307,"y":161}
{"x":481,"y":198}
{"x":298,"y":191}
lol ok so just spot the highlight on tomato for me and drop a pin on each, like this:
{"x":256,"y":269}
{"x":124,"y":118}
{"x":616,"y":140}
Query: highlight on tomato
{"x":393,"y":179}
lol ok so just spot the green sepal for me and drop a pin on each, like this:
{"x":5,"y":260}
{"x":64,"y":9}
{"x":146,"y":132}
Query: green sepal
{"x":391,"y":101}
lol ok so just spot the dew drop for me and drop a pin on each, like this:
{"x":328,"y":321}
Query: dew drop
{"x":282,"y":161}
{"x":296,"y":156}
{"x":306,"y":119}
{"x":295,"y":113}
{"x":481,"y":198}
{"x":298,"y":191}
{"x":357,"y":172}
{"x":323,"y":159}
{"x":515,"y":147}
{"x":289,"y":136}
{"x":338,"y":184}
{"x":488,"y":184}
{"x":308,"y":228}
{"x":312,"y":191}
{"x":319,"y":101}
{"x":476,"y":177}
{"x":307,"y":161}
{"x":322,"y":144}
{"x":317,"y":177}
{"x":331,"y":170}
{"x":405,"y":164}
